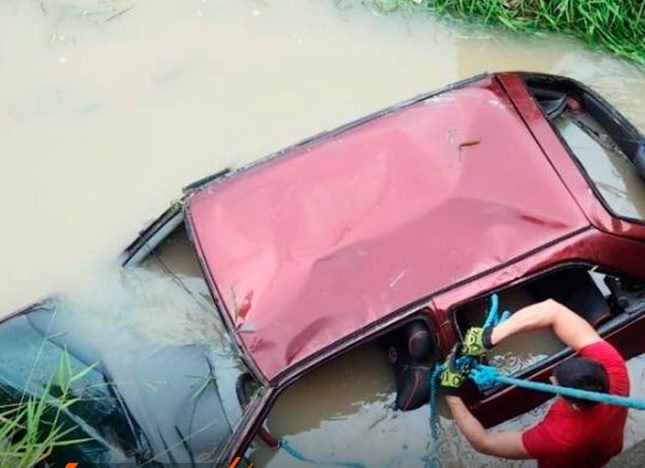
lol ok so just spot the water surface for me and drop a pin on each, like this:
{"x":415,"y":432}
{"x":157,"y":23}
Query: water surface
{"x":108,"y":108}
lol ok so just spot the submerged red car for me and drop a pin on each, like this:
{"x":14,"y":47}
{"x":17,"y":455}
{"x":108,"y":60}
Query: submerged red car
{"x":399,"y":225}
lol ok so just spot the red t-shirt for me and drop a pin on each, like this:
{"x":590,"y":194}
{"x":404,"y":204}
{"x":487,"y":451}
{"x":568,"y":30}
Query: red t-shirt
{"x":589,"y":439}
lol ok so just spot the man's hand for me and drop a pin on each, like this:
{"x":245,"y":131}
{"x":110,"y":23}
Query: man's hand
{"x":477,"y":341}
{"x":454,"y":373}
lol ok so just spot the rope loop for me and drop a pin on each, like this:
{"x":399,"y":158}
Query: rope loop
{"x":484,"y":376}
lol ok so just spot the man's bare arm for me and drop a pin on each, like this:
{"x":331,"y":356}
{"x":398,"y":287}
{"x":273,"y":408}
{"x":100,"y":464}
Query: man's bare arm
{"x":569,"y":327}
{"x":499,"y":444}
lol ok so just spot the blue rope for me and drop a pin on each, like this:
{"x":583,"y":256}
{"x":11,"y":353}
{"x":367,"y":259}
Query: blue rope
{"x":433,"y":459}
{"x":493,"y":318}
{"x":487,"y":376}
{"x":492,"y":312}
{"x":284,"y":443}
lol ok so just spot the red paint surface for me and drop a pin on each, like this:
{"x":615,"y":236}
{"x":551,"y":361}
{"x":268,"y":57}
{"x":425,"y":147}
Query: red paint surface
{"x":330,"y":238}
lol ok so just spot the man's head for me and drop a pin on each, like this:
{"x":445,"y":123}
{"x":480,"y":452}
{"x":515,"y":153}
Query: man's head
{"x":583,"y":374}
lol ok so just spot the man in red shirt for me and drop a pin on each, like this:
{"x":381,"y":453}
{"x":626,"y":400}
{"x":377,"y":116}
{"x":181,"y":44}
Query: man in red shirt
{"x":574,"y":433}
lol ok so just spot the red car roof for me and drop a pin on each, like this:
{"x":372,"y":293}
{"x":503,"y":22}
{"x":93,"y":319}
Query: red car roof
{"x":334,"y":235}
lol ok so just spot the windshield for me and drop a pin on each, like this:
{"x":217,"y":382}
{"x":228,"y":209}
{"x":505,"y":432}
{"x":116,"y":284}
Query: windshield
{"x":163,"y":385}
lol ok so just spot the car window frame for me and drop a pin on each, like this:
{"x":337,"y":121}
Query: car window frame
{"x":536,"y":368}
{"x":416,"y":311}
{"x":601,"y":111}
{"x":585,"y":173}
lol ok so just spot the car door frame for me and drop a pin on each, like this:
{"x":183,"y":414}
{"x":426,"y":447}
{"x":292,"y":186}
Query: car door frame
{"x":592,"y":247}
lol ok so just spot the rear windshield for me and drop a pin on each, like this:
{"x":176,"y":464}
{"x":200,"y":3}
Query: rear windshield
{"x":613,"y":175}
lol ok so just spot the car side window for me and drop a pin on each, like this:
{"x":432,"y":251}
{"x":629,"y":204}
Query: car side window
{"x":351,"y":409}
{"x":615,"y":178}
{"x":603,"y":299}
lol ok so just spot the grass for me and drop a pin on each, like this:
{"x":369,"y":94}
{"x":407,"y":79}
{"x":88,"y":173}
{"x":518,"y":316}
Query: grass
{"x":615,"y":25}
{"x":33,"y":427}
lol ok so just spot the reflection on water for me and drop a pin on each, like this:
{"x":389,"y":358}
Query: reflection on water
{"x":105,"y":115}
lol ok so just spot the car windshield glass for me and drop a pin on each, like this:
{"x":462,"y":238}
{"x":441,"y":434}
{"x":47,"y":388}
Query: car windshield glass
{"x":163,"y":383}
{"x":613,"y":175}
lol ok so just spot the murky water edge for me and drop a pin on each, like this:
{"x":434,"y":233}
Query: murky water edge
{"x":108,"y":108}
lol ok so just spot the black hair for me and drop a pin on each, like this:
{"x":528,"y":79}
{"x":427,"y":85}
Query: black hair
{"x":583,"y":374}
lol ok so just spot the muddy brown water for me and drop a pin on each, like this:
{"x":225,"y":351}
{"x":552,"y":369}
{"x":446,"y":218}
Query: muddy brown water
{"x":108,"y":108}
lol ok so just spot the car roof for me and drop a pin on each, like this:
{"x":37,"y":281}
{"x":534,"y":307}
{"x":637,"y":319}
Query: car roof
{"x":336,"y":234}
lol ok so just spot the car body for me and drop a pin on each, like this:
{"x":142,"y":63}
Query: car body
{"x":417,"y":212}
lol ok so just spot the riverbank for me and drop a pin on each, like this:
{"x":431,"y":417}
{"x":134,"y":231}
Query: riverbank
{"x":614,"y":25}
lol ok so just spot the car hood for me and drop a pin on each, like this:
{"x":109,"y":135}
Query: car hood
{"x":339,"y":232}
